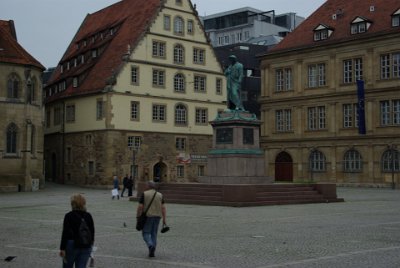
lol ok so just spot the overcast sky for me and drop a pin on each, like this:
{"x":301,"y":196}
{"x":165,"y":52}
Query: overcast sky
{"x":46,"y":27}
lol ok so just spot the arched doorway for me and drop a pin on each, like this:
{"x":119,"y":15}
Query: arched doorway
{"x":283,"y":167}
{"x":160,"y":172}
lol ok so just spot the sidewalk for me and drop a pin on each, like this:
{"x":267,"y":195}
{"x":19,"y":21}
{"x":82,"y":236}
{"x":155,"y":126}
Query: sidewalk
{"x":363,"y":231}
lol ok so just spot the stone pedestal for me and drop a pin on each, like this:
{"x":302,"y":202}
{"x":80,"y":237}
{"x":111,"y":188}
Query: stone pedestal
{"x":236,"y":157}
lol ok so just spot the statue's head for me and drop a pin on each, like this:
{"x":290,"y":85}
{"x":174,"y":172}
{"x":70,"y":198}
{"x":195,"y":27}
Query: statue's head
{"x":232,"y":58}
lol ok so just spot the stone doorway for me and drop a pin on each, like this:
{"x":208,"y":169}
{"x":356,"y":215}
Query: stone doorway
{"x":284,"y":167}
{"x":160,"y":172}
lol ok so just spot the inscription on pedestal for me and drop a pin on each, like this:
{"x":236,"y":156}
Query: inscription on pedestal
{"x":224,"y":136}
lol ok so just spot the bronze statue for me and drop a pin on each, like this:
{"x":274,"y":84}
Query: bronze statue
{"x":234,"y":77}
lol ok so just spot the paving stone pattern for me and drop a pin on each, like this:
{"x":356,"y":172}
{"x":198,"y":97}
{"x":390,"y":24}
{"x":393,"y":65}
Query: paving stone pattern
{"x":363,"y":231}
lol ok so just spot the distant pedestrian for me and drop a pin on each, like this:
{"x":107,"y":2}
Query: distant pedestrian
{"x":130,"y":185}
{"x":155,"y":212}
{"x":74,"y":249}
{"x":124,"y":184}
{"x":115,"y":192}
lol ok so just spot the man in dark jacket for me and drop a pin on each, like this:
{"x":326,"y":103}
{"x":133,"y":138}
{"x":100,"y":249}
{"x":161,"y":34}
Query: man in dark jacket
{"x":124,"y":184}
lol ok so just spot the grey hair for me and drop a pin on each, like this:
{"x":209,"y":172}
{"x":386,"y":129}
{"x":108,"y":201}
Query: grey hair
{"x":151,"y":184}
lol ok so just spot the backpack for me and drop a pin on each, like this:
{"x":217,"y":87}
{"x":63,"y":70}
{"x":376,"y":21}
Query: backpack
{"x":84,"y":234}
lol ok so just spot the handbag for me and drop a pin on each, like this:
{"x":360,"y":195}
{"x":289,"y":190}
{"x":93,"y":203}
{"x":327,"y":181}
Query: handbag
{"x":141,"y":220}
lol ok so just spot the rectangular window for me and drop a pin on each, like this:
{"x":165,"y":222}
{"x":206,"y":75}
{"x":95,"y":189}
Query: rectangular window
{"x":190,"y":27}
{"x":352,"y":70}
{"x":91,"y":168}
{"x":316,"y":75}
{"x":180,"y":171}
{"x":167,"y":22}
{"x":350,"y":115}
{"x":199,"y":83}
{"x":218,"y":86}
{"x":99,"y":109}
{"x":201,"y":171}
{"x":283,"y":120}
{"x":135,"y":110}
{"x":158,"y":78}
{"x":199,"y":56}
{"x":159,"y":49}
{"x":201,"y":116}
{"x":283,"y":79}
{"x":316,"y":118}
{"x":180,"y":144}
{"x":70,"y":110}
{"x":134,"y":142}
{"x":390,"y":66}
{"x":390,"y":113}
{"x":159,"y":113}
{"x":134,"y":75}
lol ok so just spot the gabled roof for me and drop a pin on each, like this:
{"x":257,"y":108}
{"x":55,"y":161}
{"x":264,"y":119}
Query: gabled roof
{"x":10,"y":50}
{"x":130,"y":18}
{"x":339,"y":14}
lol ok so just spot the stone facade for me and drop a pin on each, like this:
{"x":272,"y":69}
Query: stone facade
{"x":22,"y":118}
{"x":310,"y":130}
{"x":92,"y":158}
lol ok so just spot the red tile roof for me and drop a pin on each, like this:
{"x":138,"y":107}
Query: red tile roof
{"x":303,"y":36}
{"x":130,"y":18}
{"x":10,"y":50}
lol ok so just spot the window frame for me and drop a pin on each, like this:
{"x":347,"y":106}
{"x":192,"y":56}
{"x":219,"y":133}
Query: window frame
{"x":352,"y":161}
{"x":159,"y":113}
{"x":317,"y":161}
{"x":283,"y":120}
{"x":201,"y":116}
{"x":135,"y":111}
{"x":180,"y":115}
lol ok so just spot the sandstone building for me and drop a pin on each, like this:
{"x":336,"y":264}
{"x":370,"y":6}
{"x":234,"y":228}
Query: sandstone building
{"x":21,"y":114}
{"x":312,"y":112}
{"x":133,"y":93}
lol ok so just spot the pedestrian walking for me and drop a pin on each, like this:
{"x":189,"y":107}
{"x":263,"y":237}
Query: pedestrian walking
{"x":124,"y":184}
{"x":130,"y":185}
{"x":77,"y":235}
{"x":115,"y":192}
{"x":152,"y":202}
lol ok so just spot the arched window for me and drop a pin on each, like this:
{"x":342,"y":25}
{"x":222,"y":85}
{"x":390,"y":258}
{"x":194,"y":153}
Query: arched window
{"x":178,"y":25}
{"x":13,"y":85}
{"x":179,"y":54}
{"x":317,"y":161}
{"x":12,"y":132}
{"x":180,"y":115}
{"x":179,"y":83}
{"x":391,"y":161}
{"x":352,"y":161}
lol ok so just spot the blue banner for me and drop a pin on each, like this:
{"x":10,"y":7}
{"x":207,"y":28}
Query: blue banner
{"x":361,"y":107}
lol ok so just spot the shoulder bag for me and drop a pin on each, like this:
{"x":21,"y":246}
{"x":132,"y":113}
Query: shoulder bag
{"x":141,"y":220}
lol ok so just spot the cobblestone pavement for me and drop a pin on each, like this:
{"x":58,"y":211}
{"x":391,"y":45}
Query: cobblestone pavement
{"x":363,"y":231}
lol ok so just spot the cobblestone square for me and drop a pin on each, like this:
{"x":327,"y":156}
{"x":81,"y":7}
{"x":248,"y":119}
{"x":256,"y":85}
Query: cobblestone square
{"x":363,"y":231}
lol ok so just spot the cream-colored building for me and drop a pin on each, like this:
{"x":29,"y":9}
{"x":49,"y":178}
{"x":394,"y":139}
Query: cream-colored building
{"x":310,"y":102}
{"x":21,"y":110}
{"x":134,"y":93}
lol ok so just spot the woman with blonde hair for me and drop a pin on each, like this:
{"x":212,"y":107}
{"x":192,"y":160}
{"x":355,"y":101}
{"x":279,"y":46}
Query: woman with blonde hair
{"x":76,"y":246}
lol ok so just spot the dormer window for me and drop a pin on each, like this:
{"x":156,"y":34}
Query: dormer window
{"x":178,"y":2}
{"x":75,"y":82}
{"x":322,"y":32}
{"x":360,"y":25}
{"x":396,"y":19}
